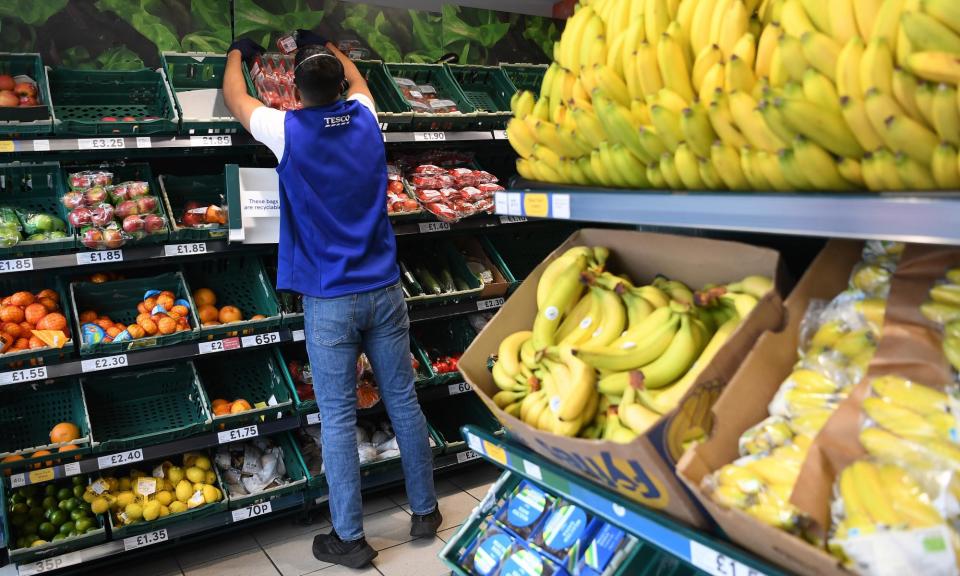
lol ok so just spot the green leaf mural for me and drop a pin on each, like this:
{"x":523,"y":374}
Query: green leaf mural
{"x":138,"y":15}
{"x":32,"y":12}
{"x":262,"y":25}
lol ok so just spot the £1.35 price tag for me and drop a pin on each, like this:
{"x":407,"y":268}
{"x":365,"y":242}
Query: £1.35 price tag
{"x":251,"y":511}
{"x":185,"y":249}
{"x":99,"y":257}
{"x":717,"y":564}
{"x":120,"y":458}
{"x":100,"y":143}
{"x":429,"y":136}
{"x":148,"y":539}
{"x":237,"y":434}
{"x":49,"y":564}
{"x":16,"y":265}
{"x":25,"y":375}
{"x":459,"y":388}
{"x":260,"y":339}
{"x":105,"y":363}
{"x":490,"y":304}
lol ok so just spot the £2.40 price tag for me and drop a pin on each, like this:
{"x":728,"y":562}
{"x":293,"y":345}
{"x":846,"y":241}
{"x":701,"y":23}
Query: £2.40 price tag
{"x":16,"y":265}
{"x":99,"y":257}
{"x":148,"y":539}
{"x":105,"y":363}
{"x":260,"y":339}
{"x":25,"y":375}
{"x":120,"y":458}
{"x":251,"y":511}
{"x":237,"y":434}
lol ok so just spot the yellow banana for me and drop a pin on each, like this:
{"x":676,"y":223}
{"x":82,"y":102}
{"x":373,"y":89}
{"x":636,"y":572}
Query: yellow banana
{"x":744,"y":110}
{"x":902,"y":421}
{"x":676,"y":359}
{"x":795,"y":175}
{"x":820,"y":90}
{"x":734,"y":26}
{"x":852,"y":172}
{"x":843,"y":22}
{"x":723,"y":123}
{"x":574,"y":395}
{"x":945,"y":11}
{"x":668,"y":128}
{"x":752,"y":170}
{"x":876,"y":66}
{"x":765,"y":48}
{"x":669,"y":171}
{"x":821,"y":125}
{"x":848,"y":69}
{"x":790,"y":52}
{"x":613,"y":319}
{"x":945,"y":167}
{"x":869,"y":487}
{"x":887,"y":21}
{"x":726,"y":160}
{"x":911,"y":138}
{"x":866,"y":13}
{"x":915,"y":176}
{"x":624,"y":355}
{"x":508,"y":354}
{"x":946,"y":114}
{"x":700,"y":26}
{"x":656,"y":17}
{"x":705,"y":60}
{"x":709,"y":175}
{"x":926,"y":33}
{"x":738,"y":75}
{"x":688,"y":167}
{"x":905,"y":87}
{"x":821,"y":52}
{"x":713,"y":83}
{"x":673,"y":67}
{"x":855,"y":114}
{"x":819,"y":165}
{"x":634,"y":416}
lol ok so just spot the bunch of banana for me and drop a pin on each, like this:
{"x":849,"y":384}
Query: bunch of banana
{"x":913,"y":411}
{"x":943,"y":308}
{"x":748,"y":94}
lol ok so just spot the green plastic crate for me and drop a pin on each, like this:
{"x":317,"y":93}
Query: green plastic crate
{"x":33,"y":283}
{"x":393,"y":112}
{"x":36,"y":188}
{"x":84,"y":97}
{"x":525,"y":76}
{"x":27,"y":119}
{"x":237,"y":281}
{"x":377,"y":467}
{"x":121,"y":532}
{"x":28,"y":415}
{"x":132,"y":409}
{"x":296,"y":471}
{"x":254,"y":376}
{"x":447,"y":256}
{"x":455,"y":412}
{"x":126,"y":172}
{"x":187,"y":71}
{"x":35,"y":553}
{"x":444,"y":338}
{"x":176,"y":191}
{"x":439,"y":77}
{"x":488,"y":89}
{"x":118,"y":300}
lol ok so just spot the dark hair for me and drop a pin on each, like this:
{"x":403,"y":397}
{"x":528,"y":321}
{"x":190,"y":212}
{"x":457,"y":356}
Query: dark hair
{"x":318,"y":75}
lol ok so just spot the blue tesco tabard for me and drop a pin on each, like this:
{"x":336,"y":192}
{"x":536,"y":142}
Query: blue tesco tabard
{"x":335,"y":235}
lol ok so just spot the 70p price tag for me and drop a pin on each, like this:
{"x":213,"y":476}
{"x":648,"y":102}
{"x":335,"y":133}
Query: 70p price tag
{"x":25,"y":375}
{"x":251,"y":511}
{"x":717,"y":564}
{"x":185,"y":249}
{"x":148,"y":539}
{"x":16,"y":265}
{"x":49,"y":564}
{"x":237,"y":434}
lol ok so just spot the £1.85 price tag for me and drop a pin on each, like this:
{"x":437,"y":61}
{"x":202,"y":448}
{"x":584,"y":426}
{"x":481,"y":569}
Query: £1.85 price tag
{"x":251,"y":511}
{"x":490,"y":304}
{"x":147,"y":539}
{"x":49,"y":564}
{"x":185,"y":249}
{"x":237,"y":434}
{"x":429,"y":136}
{"x":100,"y":143}
{"x":120,"y":458}
{"x":16,"y":265}
{"x":99,"y":257}
{"x":459,"y":388}
{"x":105,"y":363}
{"x":717,"y":564}
{"x":25,"y":375}
{"x":224,"y":140}
{"x":260,"y":339}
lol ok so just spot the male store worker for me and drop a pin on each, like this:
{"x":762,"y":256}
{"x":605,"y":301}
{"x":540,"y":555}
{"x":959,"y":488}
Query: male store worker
{"x":338,"y":250}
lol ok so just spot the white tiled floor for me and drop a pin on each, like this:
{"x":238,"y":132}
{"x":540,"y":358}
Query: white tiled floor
{"x":283,"y":547}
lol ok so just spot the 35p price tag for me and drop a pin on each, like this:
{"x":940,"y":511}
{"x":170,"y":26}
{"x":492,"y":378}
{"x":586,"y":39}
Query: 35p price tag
{"x":49,"y":564}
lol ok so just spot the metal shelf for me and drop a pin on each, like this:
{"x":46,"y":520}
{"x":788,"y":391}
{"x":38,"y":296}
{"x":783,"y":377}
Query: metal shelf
{"x":694,"y":547}
{"x":424,"y":394}
{"x":929,"y":218}
{"x":408,"y":227}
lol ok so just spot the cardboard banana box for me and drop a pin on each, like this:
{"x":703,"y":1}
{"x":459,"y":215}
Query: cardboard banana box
{"x":642,"y":470}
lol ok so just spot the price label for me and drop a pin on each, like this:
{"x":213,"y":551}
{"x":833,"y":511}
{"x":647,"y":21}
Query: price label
{"x":105,"y":363}
{"x":49,"y":564}
{"x":120,"y":458}
{"x":500,"y":135}
{"x":466,"y":456}
{"x":717,"y":564}
{"x":251,"y":511}
{"x":237,"y":434}
{"x":532,"y":470}
{"x":148,"y":539}
{"x":101,"y":143}
{"x":185,"y":249}
{"x":459,"y":388}
{"x":225,"y":140}
{"x":44,"y":475}
{"x":18,"y":480}
{"x":299,"y":336}
{"x":490,"y":304}
{"x":71,"y":469}
{"x":429,"y":136}
{"x":313,"y":418}
{"x":25,"y":375}
{"x":146,"y":485}
{"x":144,"y":142}
{"x":41,"y":145}
{"x":512,"y":219}
{"x":16,"y":265}
{"x":210,"y":347}
{"x":260,"y":339}
{"x":434,"y":227}
{"x":99,"y":257}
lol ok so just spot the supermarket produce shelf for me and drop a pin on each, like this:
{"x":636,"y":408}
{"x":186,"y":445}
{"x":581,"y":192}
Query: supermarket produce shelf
{"x":694,"y":547}
{"x":929,"y":218}
{"x":405,"y":228}
{"x":424,"y":394}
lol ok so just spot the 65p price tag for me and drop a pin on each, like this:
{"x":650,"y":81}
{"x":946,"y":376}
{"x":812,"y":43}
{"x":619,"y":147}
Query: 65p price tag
{"x":251,"y":511}
{"x":260,"y":339}
{"x":16,"y":265}
{"x":99,"y":257}
{"x":185,"y":249}
{"x":237,"y":434}
{"x":148,"y":539}
{"x":717,"y":564}
{"x":105,"y":363}
{"x":120,"y":458}
{"x":49,"y":564}
{"x":25,"y":375}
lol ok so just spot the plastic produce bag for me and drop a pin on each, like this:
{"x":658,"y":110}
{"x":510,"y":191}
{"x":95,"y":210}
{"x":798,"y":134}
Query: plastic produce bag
{"x":9,"y":227}
{"x":89,"y":178}
{"x":108,"y":237}
{"x":128,"y":191}
{"x":39,"y":222}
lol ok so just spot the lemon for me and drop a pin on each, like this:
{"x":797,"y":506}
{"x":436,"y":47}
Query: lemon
{"x":113,"y":485}
{"x":177,"y":507}
{"x":124,"y":484}
{"x":99,"y":505}
{"x":134,"y":474}
{"x":202,"y":462}
{"x":125,"y":498}
{"x":211,"y":477}
{"x":210,"y":494}
{"x":89,"y":497}
{"x":195,"y":474}
{"x":184,"y":491}
{"x":164,"y":511}
{"x":134,"y":511}
{"x":168,"y":485}
{"x":175,"y":475}
{"x":198,"y":486}
{"x":151,"y":511}
{"x":189,"y":458}
{"x":164,"y":497}
{"x":38,"y":543}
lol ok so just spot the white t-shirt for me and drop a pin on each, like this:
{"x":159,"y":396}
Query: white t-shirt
{"x":266,"y":124}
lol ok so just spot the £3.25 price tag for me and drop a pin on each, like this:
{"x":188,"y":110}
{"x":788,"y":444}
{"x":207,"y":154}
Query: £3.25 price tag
{"x":237,"y":434}
{"x":99,"y":257}
{"x":251,"y":511}
{"x":120,"y":458}
{"x":105,"y":363}
{"x":717,"y":564}
{"x":16,"y":265}
{"x":148,"y":539}
{"x":100,"y":143}
{"x":25,"y":375}
{"x":49,"y":564}
{"x":185,"y":249}
{"x":490,"y":304}
{"x":429,"y":136}
{"x":260,"y":339}
{"x":459,"y":388}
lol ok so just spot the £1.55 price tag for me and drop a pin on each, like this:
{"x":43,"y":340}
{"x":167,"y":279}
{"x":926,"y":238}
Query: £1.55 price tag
{"x":105,"y":363}
{"x":120,"y":458}
{"x":251,"y":511}
{"x":99,"y":257}
{"x":147,"y":539}
{"x":25,"y":375}
{"x":260,"y":339}
{"x":16,"y":265}
{"x":237,"y":434}
{"x":49,"y":564}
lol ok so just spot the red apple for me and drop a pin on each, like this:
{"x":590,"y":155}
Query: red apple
{"x":101,"y":215}
{"x":7,"y":82}
{"x":147,"y":204}
{"x":154,"y":223}
{"x":127,"y":208}
{"x":25,"y":89}
{"x":80,"y":217}
{"x":192,"y":219}
{"x":191,"y":205}
{"x":108,"y":119}
{"x":28,"y":101}
{"x":8,"y":99}
{"x":113,"y":238}
{"x":73,"y":200}
{"x":92,"y":238}
{"x":94,"y":196}
{"x":133,"y":224}
{"x":129,"y":119}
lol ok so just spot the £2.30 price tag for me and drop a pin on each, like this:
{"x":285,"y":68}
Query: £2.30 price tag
{"x":490,"y":304}
{"x":120,"y":458}
{"x":429,"y":136}
{"x":185,"y":249}
{"x":25,"y":375}
{"x":105,"y":363}
{"x":100,"y":143}
{"x":237,"y":434}
{"x":260,"y":339}
{"x":99,"y":257}
{"x":717,"y":564}
{"x":459,"y":388}
{"x":148,"y":539}
{"x":251,"y":511}
{"x":16,"y":265}
{"x":49,"y":564}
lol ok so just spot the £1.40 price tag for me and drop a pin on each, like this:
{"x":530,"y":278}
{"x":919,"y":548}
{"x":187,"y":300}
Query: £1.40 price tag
{"x":426,"y":227}
{"x":99,"y":257}
{"x":251,"y":511}
{"x":25,"y":375}
{"x":429,"y":136}
{"x":717,"y":564}
{"x":120,"y":458}
{"x":185,"y":249}
{"x":105,"y":363}
{"x":16,"y":265}
{"x":237,"y":434}
{"x":260,"y":339}
{"x":490,"y":304}
{"x":49,"y":564}
{"x":148,"y":539}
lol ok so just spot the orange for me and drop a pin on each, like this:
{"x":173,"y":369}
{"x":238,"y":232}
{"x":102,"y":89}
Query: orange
{"x":23,"y":298}
{"x":70,"y":448}
{"x":258,"y":317}
{"x":239,"y":405}
{"x":99,"y":278}
{"x":180,"y":310}
{"x":167,"y":325}
{"x":149,"y":326}
{"x":136,"y":331}
{"x":211,"y":323}
{"x":222,"y":409}
{"x":166,"y":300}
{"x":143,"y":316}
{"x":218,"y":401}
{"x":12,"y":313}
{"x":13,"y":329}
{"x":113,"y":331}
{"x":149,"y":303}
{"x":54,"y":321}
{"x":49,"y":303}
{"x":11,"y":458}
{"x":34,"y":312}
{"x":105,"y":323}
{"x":38,"y":454}
{"x":230,"y":314}
{"x":48,"y":293}
{"x":207,"y":313}
{"x":88,"y":316}
{"x":64,"y":432}
{"x":21,"y":344}
{"x":36,"y":343}
{"x":141,"y":308}
{"x":7,"y":341}
{"x":204,"y":296}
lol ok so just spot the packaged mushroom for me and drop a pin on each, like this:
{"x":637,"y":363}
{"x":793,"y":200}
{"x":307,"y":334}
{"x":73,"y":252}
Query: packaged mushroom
{"x":251,"y":467}
{"x":375,"y":441}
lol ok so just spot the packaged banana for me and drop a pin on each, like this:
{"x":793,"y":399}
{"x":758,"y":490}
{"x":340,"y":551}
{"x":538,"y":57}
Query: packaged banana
{"x":885,"y":522}
{"x":873,"y":274}
{"x":943,"y":308}
{"x":840,"y":339}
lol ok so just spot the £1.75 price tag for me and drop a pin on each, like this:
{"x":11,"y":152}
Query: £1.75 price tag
{"x":237,"y":434}
{"x":717,"y":564}
{"x":185,"y":249}
{"x":260,"y":339}
{"x":25,"y":375}
{"x":251,"y":511}
{"x":120,"y":458}
{"x":99,"y":257}
{"x":16,"y":265}
{"x":49,"y":564}
{"x":105,"y":363}
{"x":490,"y":304}
{"x":148,"y":539}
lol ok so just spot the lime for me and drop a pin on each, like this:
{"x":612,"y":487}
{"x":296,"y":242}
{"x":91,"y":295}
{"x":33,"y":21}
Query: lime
{"x":38,"y":543}
{"x":78,"y":481}
{"x":64,"y":493}
{"x":22,"y":542}
{"x":84,"y":525}
{"x":67,"y":528}
{"x":33,"y":501}
{"x":71,"y":504}
{"x":19,"y":508}
{"x":78,"y":491}
{"x":18,"y":497}
{"x":49,"y":502}
{"x":59,"y":517}
{"x":59,"y":537}
{"x":46,"y":530}
{"x":73,"y":534}
{"x":50,"y":490}
{"x":17,"y":520}
{"x":31,"y":490}
{"x":36,"y":513}
{"x":30,"y":526}
{"x":78,"y":514}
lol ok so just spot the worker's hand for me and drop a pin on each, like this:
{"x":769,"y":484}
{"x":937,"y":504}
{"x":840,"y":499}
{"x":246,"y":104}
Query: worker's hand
{"x":248,"y":49}
{"x":308,"y":38}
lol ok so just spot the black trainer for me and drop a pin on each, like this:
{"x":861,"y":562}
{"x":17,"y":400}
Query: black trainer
{"x":330,"y":548}
{"x":425,"y":526}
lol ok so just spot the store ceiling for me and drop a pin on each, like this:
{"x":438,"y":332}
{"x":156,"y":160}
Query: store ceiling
{"x":536,"y":7}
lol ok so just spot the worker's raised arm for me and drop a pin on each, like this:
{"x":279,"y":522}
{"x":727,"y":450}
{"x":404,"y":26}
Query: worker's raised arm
{"x":235,"y":96}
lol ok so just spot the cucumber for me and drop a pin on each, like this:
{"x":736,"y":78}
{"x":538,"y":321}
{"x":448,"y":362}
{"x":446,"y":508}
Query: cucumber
{"x":446,"y":281}
{"x":410,"y":281}
{"x":429,"y":283}
{"x":461,"y":284}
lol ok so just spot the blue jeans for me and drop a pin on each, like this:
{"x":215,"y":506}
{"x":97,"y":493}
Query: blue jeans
{"x":337,"y":329}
